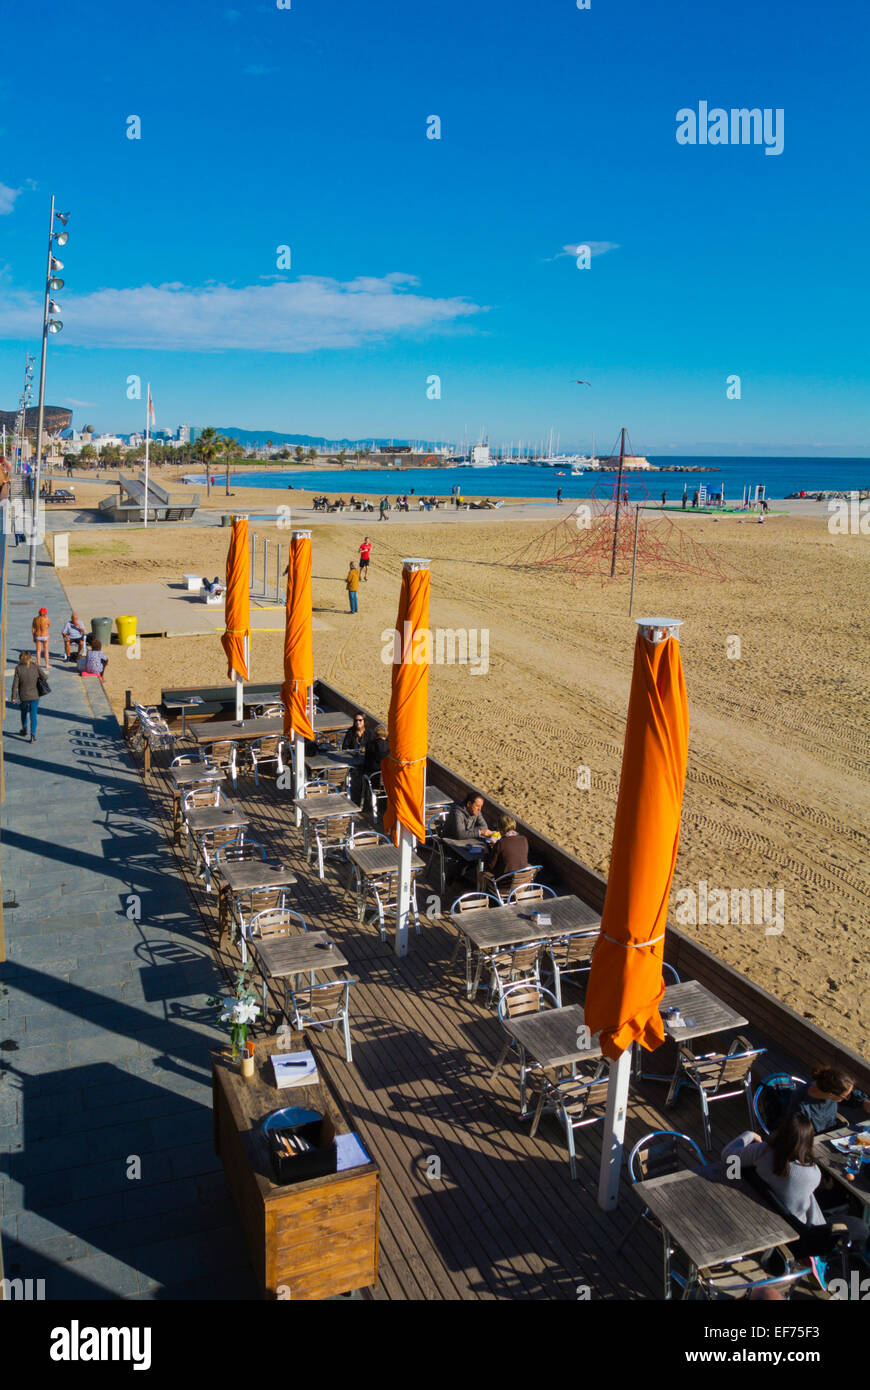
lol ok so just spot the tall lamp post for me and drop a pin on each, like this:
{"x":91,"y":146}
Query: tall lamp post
{"x":49,"y":325}
{"x":26,"y":397}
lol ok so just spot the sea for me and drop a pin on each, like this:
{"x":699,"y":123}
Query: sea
{"x":778,"y":476}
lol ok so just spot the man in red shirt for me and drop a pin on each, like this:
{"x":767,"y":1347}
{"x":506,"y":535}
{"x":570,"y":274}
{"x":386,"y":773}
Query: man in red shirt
{"x":365,"y":552}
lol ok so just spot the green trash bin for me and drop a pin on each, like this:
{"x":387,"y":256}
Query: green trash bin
{"x":225,"y":519}
{"x":101,"y":628}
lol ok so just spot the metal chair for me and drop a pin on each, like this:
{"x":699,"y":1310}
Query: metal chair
{"x":656,"y":1155}
{"x":771,"y":1100}
{"x":517,"y":1001}
{"x":710,"y":1073}
{"x":272,"y":920}
{"x":674,"y":977}
{"x":571,"y":1101}
{"x":470,"y":902}
{"x":224,"y":753}
{"x":434,"y":830}
{"x":375,"y":795}
{"x":509,"y":966}
{"x":207,"y":846}
{"x":195,"y":755}
{"x":385,"y":892}
{"x":269,"y":711}
{"x":504,"y":885}
{"x":322,"y":1006}
{"x":267,"y":750}
{"x":713,"y":1284}
{"x":530,"y":893}
{"x":336,"y":779}
{"x":570,"y":955}
{"x":194,"y":798}
{"x":328,"y":837}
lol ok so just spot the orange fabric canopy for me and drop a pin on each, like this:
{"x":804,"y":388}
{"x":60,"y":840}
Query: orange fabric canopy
{"x":298,"y":652}
{"x":237,"y":610}
{"x":625,"y":984}
{"x":404,"y":771}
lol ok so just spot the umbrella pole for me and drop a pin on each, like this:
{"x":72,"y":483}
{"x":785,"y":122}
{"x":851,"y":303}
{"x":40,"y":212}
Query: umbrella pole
{"x":298,"y":771}
{"x":240,"y":703}
{"x":613,"y":1139}
{"x":403,"y":903}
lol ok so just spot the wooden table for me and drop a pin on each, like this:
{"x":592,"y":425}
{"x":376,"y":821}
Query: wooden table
{"x":184,"y":705}
{"x":373,"y":862}
{"x":319,"y":808}
{"x":320,"y":762}
{"x":246,"y":876}
{"x":308,"y":1240}
{"x":472,"y":851}
{"x":435,"y":799}
{"x":488,"y":929}
{"x":190,"y":773}
{"x":554,"y":1038}
{"x":703,"y":1014}
{"x":239,"y":733}
{"x":712,"y":1221}
{"x":206,"y":818}
{"x":833,"y":1164}
{"x":287,"y":957}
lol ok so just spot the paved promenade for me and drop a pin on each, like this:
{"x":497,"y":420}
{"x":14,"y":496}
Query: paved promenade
{"x":109,"y":1185}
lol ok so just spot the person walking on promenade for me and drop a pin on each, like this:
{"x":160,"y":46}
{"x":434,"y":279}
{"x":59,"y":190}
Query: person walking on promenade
{"x":558,"y":494}
{"x":365,"y":555}
{"x":26,"y":689}
{"x":664,"y":498}
{"x":352,"y":586}
{"x":383,"y":509}
{"x":40,"y":629}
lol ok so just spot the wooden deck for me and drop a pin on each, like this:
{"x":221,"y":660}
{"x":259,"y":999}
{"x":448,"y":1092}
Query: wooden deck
{"x":472,"y":1208}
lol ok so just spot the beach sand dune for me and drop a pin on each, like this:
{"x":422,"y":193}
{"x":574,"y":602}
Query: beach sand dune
{"x":776,"y":670}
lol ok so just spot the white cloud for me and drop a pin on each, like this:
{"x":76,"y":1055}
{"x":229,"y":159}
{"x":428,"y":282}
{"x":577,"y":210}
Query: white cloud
{"x":596,"y":248}
{"x":7,"y":198}
{"x":70,"y":400}
{"x":302,"y":315}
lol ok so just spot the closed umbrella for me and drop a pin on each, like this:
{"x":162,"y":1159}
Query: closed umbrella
{"x":237,"y":609}
{"x":404,"y":770}
{"x":298,"y":655}
{"x":625,"y":983}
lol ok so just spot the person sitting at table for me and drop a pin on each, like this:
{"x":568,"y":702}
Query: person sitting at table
{"x":73,"y":634}
{"x":465,"y":820}
{"x":356,"y":737}
{"x":783,"y":1166}
{"x":819,"y":1100}
{"x":510,"y":853}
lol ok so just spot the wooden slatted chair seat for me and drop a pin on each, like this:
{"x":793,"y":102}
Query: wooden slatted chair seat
{"x":713,"y":1072}
{"x":321,"y":1006}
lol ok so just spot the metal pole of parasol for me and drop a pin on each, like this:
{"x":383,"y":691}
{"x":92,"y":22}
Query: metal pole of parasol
{"x":407,"y":841}
{"x":240,"y":684}
{"x":655,"y":630}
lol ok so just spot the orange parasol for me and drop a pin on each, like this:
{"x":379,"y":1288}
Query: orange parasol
{"x":237,"y":610}
{"x":404,"y":771}
{"x":298,"y":652}
{"x":625,"y":983}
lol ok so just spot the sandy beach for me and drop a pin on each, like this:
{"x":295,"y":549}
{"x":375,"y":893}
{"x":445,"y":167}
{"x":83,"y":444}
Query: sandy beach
{"x":777,"y":790}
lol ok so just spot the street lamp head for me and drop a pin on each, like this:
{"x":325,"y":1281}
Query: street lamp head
{"x":61,"y":238}
{"x":56,"y":264}
{"x":55,"y":283}
{"x":62,"y":217}
{"x":54,"y":325}
{"x":53,"y":308}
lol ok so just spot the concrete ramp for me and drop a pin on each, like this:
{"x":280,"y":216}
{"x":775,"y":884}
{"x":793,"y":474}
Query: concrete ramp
{"x":131,"y":501}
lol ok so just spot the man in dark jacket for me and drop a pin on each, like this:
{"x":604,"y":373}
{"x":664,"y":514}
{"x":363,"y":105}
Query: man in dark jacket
{"x":465,"y":820}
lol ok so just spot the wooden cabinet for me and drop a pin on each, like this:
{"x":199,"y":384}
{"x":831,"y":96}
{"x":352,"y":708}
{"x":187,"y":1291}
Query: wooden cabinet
{"x":307,"y":1240}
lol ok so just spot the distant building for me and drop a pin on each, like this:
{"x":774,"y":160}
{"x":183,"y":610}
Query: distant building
{"x":55,"y":419}
{"x":184,"y":434}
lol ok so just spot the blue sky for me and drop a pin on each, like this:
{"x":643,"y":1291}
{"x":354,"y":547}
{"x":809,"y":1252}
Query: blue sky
{"x":414,"y":257}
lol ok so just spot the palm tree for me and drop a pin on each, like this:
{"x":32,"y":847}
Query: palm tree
{"x":230,"y":448}
{"x":340,"y":457}
{"x":299,"y":453}
{"x":208,"y":447}
{"x":312,"y":455}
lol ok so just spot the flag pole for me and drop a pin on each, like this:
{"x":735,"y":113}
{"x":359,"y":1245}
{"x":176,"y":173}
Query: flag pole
{"x":147,"y":441}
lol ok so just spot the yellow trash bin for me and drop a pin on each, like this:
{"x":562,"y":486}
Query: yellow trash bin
{"x":126,"y":624}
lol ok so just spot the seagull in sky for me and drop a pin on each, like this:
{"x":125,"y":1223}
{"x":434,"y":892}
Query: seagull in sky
{"x":577,"y":382}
